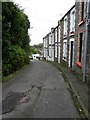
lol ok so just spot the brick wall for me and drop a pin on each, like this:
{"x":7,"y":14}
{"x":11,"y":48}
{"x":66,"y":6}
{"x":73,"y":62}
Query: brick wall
{"x":79,"y":29}
{"x":76,"y":32}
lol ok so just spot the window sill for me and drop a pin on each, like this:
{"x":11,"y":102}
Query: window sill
{"x":64,"y":59}
{"x":65,"y":36}
{"x":78,"y":64}
{"x":72,"y":33}
{"x":83,"y":21}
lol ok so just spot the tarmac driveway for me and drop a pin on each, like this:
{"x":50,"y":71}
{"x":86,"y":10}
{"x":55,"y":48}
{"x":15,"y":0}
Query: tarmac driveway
{"x":38,"y":91}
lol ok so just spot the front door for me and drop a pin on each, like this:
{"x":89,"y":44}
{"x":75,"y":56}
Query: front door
{"x":71,"y":56}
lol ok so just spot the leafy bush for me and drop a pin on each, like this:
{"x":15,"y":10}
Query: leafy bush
{"x":17,"y":58}
{"x":15,"y":38}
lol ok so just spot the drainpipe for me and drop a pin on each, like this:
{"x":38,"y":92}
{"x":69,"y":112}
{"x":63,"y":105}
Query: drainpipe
{"x":86,"y":38}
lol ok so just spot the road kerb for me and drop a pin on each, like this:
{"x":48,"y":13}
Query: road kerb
{"x":78,"y":96}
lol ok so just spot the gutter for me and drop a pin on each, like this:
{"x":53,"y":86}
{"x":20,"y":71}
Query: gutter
{"x":86,"y":39}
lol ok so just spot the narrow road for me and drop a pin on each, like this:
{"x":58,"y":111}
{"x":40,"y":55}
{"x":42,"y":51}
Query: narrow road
{"x":38,"y":91}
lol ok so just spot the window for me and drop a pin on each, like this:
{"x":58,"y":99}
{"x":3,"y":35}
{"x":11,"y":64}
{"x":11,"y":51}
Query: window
{"x":56,"y":35}
{"x":59,"y":34}
{"x":52,"y":38}
{"x":80,"y":49}
{"x":49,"y":51}
{"x":65,"y":49}
{"x":82,"y":11}
{"x":49,"y":39}
{"x":65,"y":26}
{"x":72,"y":21}
{"x":46,"y":42}
{"x":56,"y":50}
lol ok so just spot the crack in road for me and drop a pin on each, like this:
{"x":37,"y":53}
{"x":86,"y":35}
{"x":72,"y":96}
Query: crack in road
{"x":15,"y":98}
{"x":10,"y":102}
{"x":45,"y":94}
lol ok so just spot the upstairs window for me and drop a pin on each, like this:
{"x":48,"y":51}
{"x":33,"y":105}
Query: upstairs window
{"x":72,"y":21}
{"x":56,"y":35}
{"x":65,"y":25}
{"x":52,"y":38}
{"x":46,"y":42}
{"x":83,"y":10}
{"x":49,"y":39}
{"x":59,"y":34}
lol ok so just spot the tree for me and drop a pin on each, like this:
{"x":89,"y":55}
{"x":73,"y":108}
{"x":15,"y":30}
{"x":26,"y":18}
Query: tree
{"x":15,"y":38}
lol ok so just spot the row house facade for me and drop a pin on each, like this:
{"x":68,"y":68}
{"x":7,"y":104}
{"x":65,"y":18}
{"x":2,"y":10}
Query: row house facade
{"x":66,"y":42}
{"x":80,"y":38}
{"x":49,"y":46}
{"x":68,"y":37}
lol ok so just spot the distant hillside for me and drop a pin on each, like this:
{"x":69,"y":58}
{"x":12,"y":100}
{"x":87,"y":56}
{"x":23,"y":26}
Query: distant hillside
{"x":39,"y":46}
{"x":36,"y":49}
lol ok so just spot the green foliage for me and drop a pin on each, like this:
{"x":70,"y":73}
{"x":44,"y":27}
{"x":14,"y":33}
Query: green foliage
{"x":15,"y":39}
{"x":36,"y":49}
{"x":39,"y":47}
{"x":17,"y":57}
{"x":33,"y":50}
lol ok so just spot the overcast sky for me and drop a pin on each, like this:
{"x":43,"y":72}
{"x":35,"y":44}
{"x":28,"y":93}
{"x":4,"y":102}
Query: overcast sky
{"x":43,"y":15}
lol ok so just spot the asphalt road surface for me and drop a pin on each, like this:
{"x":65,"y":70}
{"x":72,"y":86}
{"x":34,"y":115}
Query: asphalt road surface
{"x":38,"y":91}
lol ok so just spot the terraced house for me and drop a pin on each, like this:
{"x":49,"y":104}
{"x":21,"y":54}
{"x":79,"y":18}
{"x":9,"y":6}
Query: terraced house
{"x":82,"y":37}
{"x":49,"y":46}
{"x":70,"y":39}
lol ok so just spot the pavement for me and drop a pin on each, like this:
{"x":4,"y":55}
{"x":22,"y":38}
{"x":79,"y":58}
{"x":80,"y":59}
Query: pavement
{"x":38,"y":91}
{"x":80,"y":89}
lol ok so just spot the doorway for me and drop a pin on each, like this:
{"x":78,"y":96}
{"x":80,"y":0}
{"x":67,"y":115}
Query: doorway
{"x":71,"y":56}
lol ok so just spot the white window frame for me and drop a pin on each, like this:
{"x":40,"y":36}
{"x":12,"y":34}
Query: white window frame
{"x":52,"y":38}
{"x":49,"y":39}
{"x":50,"y":51}
{"x":56,"y":35}
{"x":59,"y":34}
{"x":72,"y":20}
{"x":55,"y":50}
{"x":65,"y":50}
{"x":65,"y":25}
{"x":72,"y":39}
